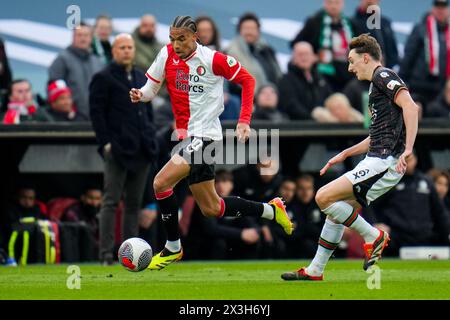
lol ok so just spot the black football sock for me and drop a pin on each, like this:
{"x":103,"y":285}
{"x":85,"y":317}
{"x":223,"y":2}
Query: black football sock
{"x":168,"y":206}
{"x":238,"y":207}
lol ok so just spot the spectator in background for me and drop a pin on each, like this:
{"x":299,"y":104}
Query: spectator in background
{"x":86,"y":210}
{"x":384,"y":33}
{"x":25,"y":206}
{"x":337,"y":110}
{"x":126,"y":138}
{"x":5,"y":75}
{"x":254,"y":52}
{"x":425,"y":65}
{"x":441,"y":179}
{"x":302,"y":89}
{"x":412,"y":212}
{"x":330,"y":32}
{"x":101,"y":46}
{"x":440,"y":107}
{"x":357,"y":92}
{"x":147,"y":46}
{"x":208,"y":33}
{"x":61,"y":105}
{"x":258,"y":182}
{"x":76,"y":65}
{"x":222,"y":238}
{"x":287,"y":193}
{"x":307,"y":218}
{"x":266,"y":104}
{"x":21,"y":106}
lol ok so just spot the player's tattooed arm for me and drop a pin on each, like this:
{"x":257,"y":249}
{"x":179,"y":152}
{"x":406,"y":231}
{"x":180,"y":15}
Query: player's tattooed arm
{"x":411,"y":119}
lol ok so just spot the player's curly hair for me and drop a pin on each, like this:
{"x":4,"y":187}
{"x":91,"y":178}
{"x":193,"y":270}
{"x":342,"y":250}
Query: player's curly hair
{"x":185,"y":22}
{"x":365,"y":43}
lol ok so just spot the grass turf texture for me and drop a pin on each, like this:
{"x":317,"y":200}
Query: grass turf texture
{"x":344,"y":279}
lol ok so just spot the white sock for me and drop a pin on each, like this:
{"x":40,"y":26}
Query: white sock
{"x":330,"y":237}
{"x":367,"y":231}
{"x":344,"y":213}
{"x":173,"y":246}
{"x":268,"y":212}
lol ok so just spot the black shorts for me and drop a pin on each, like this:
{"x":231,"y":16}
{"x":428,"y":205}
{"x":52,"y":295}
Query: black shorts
{"x":199,"y":153}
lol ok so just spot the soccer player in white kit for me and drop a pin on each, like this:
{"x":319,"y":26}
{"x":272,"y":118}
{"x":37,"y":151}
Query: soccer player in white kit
{"x":391,"y":139}
{"x":194,"y":75}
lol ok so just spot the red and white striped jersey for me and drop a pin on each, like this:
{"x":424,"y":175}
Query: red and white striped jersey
{"x":195,"y":86}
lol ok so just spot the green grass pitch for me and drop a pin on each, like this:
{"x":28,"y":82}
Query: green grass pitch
{"x":236,"y":280}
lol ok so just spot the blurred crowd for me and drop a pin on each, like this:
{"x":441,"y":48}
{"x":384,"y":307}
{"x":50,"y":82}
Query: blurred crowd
{"x":317,"y":86}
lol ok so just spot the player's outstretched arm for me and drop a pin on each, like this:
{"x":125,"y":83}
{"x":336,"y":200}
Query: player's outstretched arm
{"x":359,"y":148}
{"x":411,"y":119}
{"x":146,"y":93}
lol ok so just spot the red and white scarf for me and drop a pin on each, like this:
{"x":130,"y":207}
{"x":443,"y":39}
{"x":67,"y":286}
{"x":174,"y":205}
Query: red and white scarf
{"x":432,"y":46}
{"x":15,"y":110}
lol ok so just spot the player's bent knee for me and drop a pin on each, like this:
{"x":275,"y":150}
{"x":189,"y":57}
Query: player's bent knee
{"x":159,"y":185}
{"x":322,"y":199}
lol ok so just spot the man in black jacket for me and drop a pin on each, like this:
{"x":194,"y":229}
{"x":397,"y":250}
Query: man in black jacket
{"x":384,"y":33}
{"x":302,"y":89}
{"x":424,"y":66}
{"x":330,"y":32}
{"x":126,"y":136}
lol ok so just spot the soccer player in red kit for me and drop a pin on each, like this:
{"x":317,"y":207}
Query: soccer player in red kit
{"x":194,"y":75}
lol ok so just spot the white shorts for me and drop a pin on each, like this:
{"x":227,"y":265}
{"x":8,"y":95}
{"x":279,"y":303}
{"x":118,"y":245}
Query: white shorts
{"x":373,"y":177}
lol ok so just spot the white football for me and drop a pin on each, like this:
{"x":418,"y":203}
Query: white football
{"x":135,"y":254}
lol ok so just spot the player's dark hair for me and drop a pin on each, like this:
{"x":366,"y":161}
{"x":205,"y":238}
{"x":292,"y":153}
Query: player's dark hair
{"x":245,"y":17}
{"x":365,"y":43}
{"x":185,"y":22}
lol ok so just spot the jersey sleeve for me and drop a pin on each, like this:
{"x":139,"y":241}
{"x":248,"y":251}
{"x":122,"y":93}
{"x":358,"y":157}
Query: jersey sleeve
{"x":156,"y":72}
{"x":229,"y":68}
{"x":225,"y":66}
{"x":389,"y":83}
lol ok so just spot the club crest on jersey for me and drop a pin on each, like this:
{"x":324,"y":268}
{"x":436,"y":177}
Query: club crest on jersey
{"x":201,"y":70}
{"x":231,"y":61}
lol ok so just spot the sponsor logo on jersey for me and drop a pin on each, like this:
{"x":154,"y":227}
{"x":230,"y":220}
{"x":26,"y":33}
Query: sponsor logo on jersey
{"x":201,"y":70}
{"x":231,"y":61}
{"x":391,"y":85}
{"x":183,"y":80}
{"x":175,"y":61}
{"x":384,"y":74}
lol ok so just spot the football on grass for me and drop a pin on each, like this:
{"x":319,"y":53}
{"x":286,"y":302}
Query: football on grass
{"x":135,"y":254}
